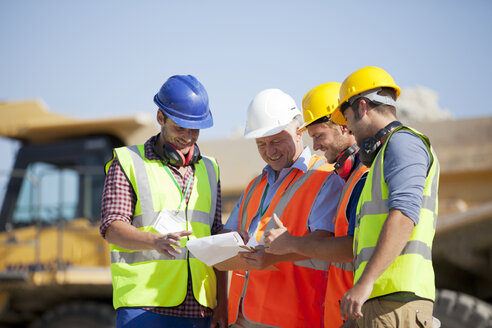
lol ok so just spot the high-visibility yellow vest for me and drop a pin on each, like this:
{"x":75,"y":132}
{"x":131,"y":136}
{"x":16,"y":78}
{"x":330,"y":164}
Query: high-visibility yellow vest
{"x":412,"y":270}
{"x":148,"y":278}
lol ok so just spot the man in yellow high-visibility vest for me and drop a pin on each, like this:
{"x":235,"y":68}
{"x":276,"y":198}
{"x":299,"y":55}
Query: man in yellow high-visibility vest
{"x":156,"y":196}
{"x":397,"y":210}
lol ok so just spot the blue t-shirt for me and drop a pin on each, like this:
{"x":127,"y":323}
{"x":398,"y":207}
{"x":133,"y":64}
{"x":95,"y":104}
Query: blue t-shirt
{"x":351,"y":210}
{"x":406,"y":164}
{"x":352,"y":205}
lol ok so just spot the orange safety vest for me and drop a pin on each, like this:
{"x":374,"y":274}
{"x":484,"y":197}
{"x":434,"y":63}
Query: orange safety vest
{"x":292,"y":296}
{"x":341,"y":275}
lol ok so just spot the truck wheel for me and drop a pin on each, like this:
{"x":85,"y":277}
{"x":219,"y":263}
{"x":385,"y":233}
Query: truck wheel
{"x":78,"y":315}
{"x":457,"y":310}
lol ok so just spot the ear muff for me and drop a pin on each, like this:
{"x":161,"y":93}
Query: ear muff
{"x":370,"y":146}
{"x":346,"y":161}
{"x":174,"y":157}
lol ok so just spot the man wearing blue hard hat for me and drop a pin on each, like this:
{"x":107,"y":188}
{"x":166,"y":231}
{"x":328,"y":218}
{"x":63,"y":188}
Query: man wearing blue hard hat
{"x":156,"y":197}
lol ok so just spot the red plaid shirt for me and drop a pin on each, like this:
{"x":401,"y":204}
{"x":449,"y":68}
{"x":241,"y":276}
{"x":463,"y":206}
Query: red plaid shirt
{"x":118,"y":204}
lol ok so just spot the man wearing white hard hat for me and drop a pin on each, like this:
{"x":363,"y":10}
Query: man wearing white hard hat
{"x":300,"y":189}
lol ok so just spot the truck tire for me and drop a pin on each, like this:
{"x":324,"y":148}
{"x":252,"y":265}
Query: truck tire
{"x":77,"y":315}
{"x":458,"y":310}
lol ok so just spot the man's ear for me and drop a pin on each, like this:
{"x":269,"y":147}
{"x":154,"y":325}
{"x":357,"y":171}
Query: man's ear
{"x":365,"y":107}
{"x":344,"y":129}
{"x":160,"y":117}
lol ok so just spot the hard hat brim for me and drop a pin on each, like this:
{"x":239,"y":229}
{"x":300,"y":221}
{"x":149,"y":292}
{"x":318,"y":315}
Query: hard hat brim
{"x":338,"y":118}
{"x":197,"y":122}
{"x":304,"y":126}
{"x":265,"y":132}
{"x":208,"y":122}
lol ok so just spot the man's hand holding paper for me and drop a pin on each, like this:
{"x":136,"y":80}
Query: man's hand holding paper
{"x":217,"y":248}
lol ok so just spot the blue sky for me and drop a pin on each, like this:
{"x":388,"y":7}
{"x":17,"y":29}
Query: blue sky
{"x":107,"y":58}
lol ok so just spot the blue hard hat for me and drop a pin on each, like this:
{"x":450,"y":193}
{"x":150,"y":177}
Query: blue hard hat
{"x":184,"y":99}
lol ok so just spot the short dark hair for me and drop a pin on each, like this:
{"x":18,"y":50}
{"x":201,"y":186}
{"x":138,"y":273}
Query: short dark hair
{"x":386,"y":91}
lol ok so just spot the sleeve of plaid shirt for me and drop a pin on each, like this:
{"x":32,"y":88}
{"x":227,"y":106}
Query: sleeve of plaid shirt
{"x":118,"y":200}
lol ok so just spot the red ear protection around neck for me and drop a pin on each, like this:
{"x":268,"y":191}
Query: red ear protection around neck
{"x":188,"y":157}
{"x":345,"y":162}
{"x":175,"y":157}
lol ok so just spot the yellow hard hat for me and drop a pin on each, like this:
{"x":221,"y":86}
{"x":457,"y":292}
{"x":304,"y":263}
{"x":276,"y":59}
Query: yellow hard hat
{"x":320,"y":101}
{"x":360,"y":81}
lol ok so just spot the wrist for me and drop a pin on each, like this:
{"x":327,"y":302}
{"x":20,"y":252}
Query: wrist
{"x":295,"y":245}
{"x":366,"y":280}
{"x":221,"y":302}
{"x":150,"y":239}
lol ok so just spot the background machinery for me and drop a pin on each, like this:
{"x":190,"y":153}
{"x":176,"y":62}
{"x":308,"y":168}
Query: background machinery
{"x":54,"y":265}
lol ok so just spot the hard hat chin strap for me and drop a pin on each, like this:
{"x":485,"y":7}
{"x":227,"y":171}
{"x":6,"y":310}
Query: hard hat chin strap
{"x":374,"y":97}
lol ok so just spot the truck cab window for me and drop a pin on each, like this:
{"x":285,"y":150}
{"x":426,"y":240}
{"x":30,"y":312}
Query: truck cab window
{"x":48,"y":193}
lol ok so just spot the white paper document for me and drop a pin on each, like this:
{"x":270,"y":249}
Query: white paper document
{"x":166,"y":223}
{"x":217,"y":248}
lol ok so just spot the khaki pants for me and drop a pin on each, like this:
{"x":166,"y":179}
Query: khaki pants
{"x":380,"y":313}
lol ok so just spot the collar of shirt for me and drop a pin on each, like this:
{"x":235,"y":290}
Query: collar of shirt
{"x":301,"y":163}
{"x":149,"y":149}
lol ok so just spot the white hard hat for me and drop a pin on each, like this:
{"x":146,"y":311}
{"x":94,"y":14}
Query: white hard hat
{"x":269,"y":112}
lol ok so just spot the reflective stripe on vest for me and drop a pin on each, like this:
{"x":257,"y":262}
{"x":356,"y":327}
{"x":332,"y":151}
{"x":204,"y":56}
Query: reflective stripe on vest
{"x":340,"y":275}
{"x":292,"y":296}
{"x":412,"y":247}
{"x":347,"y":190}
{"x":412,"y":270}
{"x":247,"y":198}
{"x":145,"y":195}
{"x":148,"y":278}
{"x":287,"y":196}
{"x":285,"y":200}
{"x":341,"y":220}
{"x":282,"y":204}
{"x":346,"y":266}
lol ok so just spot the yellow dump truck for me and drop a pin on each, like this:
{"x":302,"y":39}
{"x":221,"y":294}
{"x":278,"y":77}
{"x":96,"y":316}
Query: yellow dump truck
{"x":54,"y":265}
